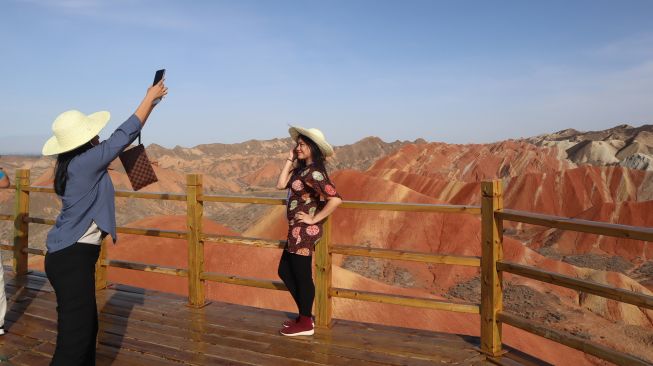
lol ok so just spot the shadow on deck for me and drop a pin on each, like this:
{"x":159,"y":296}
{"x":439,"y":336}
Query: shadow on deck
{"x":142,"y":327}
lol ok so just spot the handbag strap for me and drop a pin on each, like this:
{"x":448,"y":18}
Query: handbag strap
{"x":139,"y":138}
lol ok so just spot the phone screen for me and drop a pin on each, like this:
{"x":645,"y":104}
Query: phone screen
{"x":158,"y":76}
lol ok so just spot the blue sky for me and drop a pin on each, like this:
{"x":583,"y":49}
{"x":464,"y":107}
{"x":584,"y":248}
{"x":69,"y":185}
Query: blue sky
{"x":454,"y":71}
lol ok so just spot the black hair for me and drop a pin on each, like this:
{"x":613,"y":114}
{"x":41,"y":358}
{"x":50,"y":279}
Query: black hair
{"x":61,"y":167}
{"x":319,"y":160}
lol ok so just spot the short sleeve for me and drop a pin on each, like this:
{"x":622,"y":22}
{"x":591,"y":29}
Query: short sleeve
{"x":319,"y":181}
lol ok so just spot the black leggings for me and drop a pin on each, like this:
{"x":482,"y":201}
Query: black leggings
{"x":71,"y":272}
{"x":296,"y":273}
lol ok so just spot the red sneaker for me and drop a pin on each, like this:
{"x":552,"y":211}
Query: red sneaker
{"x":302,"y":327}
{"x":290,"y":322}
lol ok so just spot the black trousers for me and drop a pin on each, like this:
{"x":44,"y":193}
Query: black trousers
{"x":296,"y":272}
{"x":71,"y":272}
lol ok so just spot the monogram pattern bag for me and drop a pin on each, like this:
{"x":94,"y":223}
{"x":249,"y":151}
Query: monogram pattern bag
{"x":138,"y":166}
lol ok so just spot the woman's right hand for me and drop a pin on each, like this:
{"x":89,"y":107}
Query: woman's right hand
{"x":157,"y":91}
{"x":292,"y":156}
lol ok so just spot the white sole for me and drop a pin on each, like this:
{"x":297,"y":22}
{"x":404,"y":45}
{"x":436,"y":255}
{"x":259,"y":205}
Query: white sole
{"x":305,"y":333}
{"x":287,"y":326}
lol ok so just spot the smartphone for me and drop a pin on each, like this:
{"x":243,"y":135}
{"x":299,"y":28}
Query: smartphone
{"x":157,"y":77}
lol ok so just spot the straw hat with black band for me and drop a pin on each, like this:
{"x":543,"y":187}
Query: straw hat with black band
{"x":314,"y":134}
{"x":73,"y":129}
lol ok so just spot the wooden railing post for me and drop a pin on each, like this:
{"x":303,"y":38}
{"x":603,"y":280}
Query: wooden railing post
{"x":323,"y":277}
{"x":101,"y":268}
{"x":21,"y":228}
{"x":195,"y":211}
{"x":492,"y":251}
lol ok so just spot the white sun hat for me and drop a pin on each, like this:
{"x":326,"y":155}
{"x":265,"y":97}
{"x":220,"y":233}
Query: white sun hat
{"x":73,"y":129}
{"x":314,"y":134}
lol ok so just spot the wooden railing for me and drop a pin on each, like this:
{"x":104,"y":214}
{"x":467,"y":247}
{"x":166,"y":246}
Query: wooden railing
{"x":493,"y":266}
{"x":491,"y":261}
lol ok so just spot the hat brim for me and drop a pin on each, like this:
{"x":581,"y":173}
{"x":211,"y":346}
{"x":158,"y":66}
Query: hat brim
{"x":324,"y":146}
{"x":95,"y":122}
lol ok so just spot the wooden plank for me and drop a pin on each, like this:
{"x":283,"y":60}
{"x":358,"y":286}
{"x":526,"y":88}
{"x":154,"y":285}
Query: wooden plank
{"x":404,"y":300}
{"x":491,"y":282}
{"x":109,"y":356}
{"x":586,"y":226}
{"x":173,"y":234}
{"x":34,"y":251}
{"x":239,"y":240}
{"x":40,"y":189}
{"x":405,"y":255}
{"x":323,"y":277}
{"x":385,"y":206}
{"x":572,"y":341}
{"x":31,"y":358}
{"x":194,"y":212}
{"x":21,"y":228}
{"x":163,"y":196}
{"x":412,"y":207}
{"x":159,"y":196}
{"x":179,"y":272}
{"x":242,"y":199}
{"x":7,"y":217}
{"x":243,"y":281}
{"x":610,"y":292}
{"x":38,"y":220}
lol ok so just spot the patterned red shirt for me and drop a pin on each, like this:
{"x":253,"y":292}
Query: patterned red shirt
{"x":308,"y":190}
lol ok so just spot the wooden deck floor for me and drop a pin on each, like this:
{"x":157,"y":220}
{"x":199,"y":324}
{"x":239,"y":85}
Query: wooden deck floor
{"x":150,"y":328}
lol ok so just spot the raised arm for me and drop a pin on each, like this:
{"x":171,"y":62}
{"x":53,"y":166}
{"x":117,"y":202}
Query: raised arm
{"x":147,"y":105}
{"x":98,"y":158}
{"x":284,"y":177}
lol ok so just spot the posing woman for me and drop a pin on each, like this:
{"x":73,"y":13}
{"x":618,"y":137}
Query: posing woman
{"x":82,"y":182}
{"x":311,"y":199}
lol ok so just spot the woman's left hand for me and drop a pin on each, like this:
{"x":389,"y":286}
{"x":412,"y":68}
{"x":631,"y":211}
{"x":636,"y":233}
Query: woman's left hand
{"x":305,"y":218}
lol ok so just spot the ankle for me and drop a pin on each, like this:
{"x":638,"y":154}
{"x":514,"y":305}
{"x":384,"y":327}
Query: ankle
{"x":307,"y":320}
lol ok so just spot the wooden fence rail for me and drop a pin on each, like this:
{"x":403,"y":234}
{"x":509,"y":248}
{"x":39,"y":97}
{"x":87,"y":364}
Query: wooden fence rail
{"x":491,"y":261}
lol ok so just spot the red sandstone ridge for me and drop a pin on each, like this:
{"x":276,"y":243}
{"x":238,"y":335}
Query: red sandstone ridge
{"x":473,"y":163}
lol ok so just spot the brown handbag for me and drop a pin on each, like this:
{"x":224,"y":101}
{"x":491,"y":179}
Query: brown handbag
{"x":138,"y":166}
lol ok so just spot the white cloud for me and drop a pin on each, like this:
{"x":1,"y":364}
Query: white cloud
{"x":635,"y":46}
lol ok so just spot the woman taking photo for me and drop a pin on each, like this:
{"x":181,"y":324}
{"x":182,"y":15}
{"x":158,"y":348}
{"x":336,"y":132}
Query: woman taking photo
{"x":311,"y":199}
{"x":87,"y":215}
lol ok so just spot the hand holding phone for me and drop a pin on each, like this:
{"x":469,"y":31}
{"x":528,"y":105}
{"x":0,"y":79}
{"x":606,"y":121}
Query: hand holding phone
{"x":158,"y":76}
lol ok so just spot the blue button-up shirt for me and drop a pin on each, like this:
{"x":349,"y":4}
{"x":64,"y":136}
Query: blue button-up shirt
{"x":89,"y":192}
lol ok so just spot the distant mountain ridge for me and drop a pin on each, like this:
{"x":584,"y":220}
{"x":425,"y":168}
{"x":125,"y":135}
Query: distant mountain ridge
{"x":257,"y":163}
{"x":624,"y":145}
